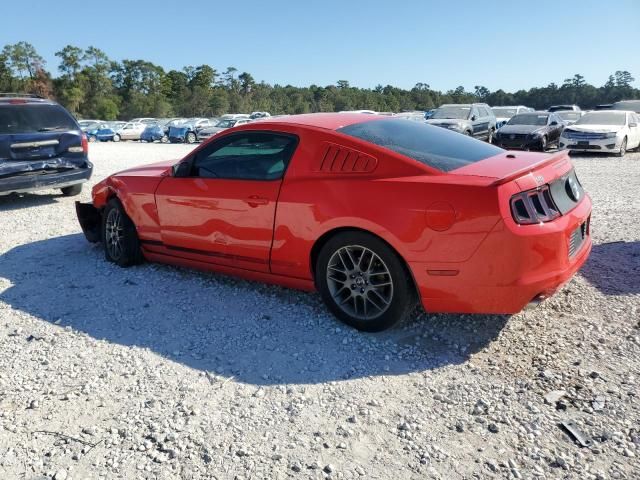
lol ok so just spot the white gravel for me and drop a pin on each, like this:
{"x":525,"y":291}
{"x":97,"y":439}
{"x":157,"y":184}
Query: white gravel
{"x":158,"y":372}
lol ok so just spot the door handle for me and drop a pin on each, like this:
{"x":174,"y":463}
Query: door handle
{"x":255,"y":201}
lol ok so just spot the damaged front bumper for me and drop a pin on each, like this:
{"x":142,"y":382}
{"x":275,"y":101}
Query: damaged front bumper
{"x":90,"y":219}
{"x":28,"y":176}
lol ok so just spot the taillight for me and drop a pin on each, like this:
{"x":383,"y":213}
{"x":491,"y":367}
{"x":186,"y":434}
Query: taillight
{"x":85,"y":144}
{"x":534,"y":206}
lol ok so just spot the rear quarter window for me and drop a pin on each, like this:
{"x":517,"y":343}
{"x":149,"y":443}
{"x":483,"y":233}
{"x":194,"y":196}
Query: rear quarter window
{"x":430,"y":145}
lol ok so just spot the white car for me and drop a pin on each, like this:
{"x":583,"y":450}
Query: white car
{"x":131,"y":131}
{"x":145,"y":120}
{"x":614,"y":131}
{"x":504,"y":114}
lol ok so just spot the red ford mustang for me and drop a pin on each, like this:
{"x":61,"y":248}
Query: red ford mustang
{"x":374,"y":212}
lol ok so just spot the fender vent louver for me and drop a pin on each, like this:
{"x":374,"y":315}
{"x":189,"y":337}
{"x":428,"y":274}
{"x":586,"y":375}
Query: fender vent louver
{"x":339,"y":159}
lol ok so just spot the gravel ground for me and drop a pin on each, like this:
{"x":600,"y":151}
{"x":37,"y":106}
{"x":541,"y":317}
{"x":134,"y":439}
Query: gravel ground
{"x":159,"y":372}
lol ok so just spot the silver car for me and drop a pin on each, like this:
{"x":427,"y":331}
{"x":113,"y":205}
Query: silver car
{"x":222,"y":125}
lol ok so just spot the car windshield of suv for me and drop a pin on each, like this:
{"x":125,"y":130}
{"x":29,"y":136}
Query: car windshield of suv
{"x":528,"y":119}
{"x":29,"y":118}
{"x":460,"y":113}
{"x":504,"y":112}
{"x":430,"y":145}
{"x":571,"y":116}
{"x":603,"y":118}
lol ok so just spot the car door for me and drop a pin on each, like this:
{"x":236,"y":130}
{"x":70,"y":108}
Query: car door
{"x":476,"y":122}
{"x":634,"y":130}
{"x":555,"y":126}
{"x":220,"y":206}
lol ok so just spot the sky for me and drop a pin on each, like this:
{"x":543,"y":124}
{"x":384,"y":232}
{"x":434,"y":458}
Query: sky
{"x":510,"y":45}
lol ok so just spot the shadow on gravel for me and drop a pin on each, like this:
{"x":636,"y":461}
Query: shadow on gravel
{"x":258,"y":334}
{"x":614,"y":268}
{"x":27,"y":200}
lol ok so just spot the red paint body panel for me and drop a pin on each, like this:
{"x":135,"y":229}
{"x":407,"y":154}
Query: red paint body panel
{"x":454,"y":230}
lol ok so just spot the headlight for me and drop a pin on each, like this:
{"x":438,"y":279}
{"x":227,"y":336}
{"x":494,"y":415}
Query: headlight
{"x":455,"y":126}
{"x":611,"y":135}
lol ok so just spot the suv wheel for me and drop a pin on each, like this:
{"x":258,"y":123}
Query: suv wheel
{"x":364,"y":282}
{"x":72,"y":190}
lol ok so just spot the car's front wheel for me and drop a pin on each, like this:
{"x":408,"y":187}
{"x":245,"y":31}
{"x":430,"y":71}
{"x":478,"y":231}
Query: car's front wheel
{"x":190,"y":138}
{"x":364,"y":282}
{"x":623,"y":147}
{"x":164,"y":139}
{"x":543,"y":143}
{"x":119,"y":236}
{"x":116,"y":138}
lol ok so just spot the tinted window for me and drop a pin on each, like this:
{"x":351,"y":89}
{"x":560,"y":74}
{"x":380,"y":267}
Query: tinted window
{"x":247,"y":156}
{"x":433,"y":146}
{"x":29,"y":118}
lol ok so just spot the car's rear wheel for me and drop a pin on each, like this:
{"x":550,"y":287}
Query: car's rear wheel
{"x":164,"y":139}
{"x":72,"y":190}
{"x":490,"y":137}
{"x":119,"y":236}
{"x":190,"y":137}
{"x":623,"y":148}
{"x":116,"y":138}
{"x":364,"y":282}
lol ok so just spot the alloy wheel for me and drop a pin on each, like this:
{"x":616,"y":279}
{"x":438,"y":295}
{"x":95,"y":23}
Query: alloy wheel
{"x":114,"y":233}
{"x":359,"y":282}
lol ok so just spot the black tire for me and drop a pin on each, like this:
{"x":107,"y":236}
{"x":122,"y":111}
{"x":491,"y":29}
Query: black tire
{"x":623,"y":148}
{"x":400,"y":292}
{"x":543,"y":143}
{"x":190,"y":138}
{"x":164,"y":139}
{"x":468,"y":133}
{"x":490,"y":136}
{"x":127,"y":252}
{"x":116,"y":138}
{"x":72,"y":191}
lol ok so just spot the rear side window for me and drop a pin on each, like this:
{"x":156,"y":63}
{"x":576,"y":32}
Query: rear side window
{"x":434,"y":146}
{"x":246,"y":156}
{"x":30,"y":117}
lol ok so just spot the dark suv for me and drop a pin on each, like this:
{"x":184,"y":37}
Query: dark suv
{"x":41,"y":147}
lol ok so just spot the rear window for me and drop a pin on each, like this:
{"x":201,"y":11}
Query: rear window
{"x":434,"y":146}
{"x":29,"y":118}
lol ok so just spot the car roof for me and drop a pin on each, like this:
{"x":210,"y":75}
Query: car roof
{"x":17,"y":100}
{"x":329,"y":121}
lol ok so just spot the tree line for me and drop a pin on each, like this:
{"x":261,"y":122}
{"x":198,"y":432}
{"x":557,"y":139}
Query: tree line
{"x":91,"y":85}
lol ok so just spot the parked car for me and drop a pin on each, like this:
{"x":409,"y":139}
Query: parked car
{"x":604,"y":106}
{"x":632,"y":105}
{"x":145,"y":120}
{"x":86,"y":125}
{"x":429,"y":113}
{"x":413,"y":116}
{"x":503,"y":114}
{"x":187,"y":132}
{"x":611,"y":131}
{"x":256,"y":115}
{"x":559,"y":108}
{"x":103,"y":132}
{"x":131,"y":131}
{"x":154,"y":132}
{"x":476,"y":120}
{"x":41,"y":147}
{"x":281,"y":201}
{"x":207,"y":132}
{"x":569,"y":117}
{"x":530,"y":131}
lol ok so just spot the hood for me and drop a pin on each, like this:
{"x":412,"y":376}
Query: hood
{"x":151,"y":170}
{"x":521,"y":129}
{"x":445,"y":121}
{"x":597,"y":128}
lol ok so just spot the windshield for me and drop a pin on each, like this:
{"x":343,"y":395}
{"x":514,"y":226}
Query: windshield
{"x":461,"y":113}
{"x":504,"y":112}
{"x":528,"y":119}
{"x":571,"y":116}
{"x":603,"y":117}
{"x":29,"y":118}
{"x":433,"y":146}
{"x":226,"y":123}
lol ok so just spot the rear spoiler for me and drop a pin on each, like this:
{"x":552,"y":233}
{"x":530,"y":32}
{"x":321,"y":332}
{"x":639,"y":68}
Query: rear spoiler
{"x":559,"y":158}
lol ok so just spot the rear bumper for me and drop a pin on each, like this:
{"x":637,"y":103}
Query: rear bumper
{"x":24,"y":183}
{"x":514,"y":266}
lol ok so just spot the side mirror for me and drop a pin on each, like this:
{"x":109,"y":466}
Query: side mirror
{"x":633,"y":124}
{"x":553,"y":123}
{"x":473,"y":118}
{"x":182,"y":169}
